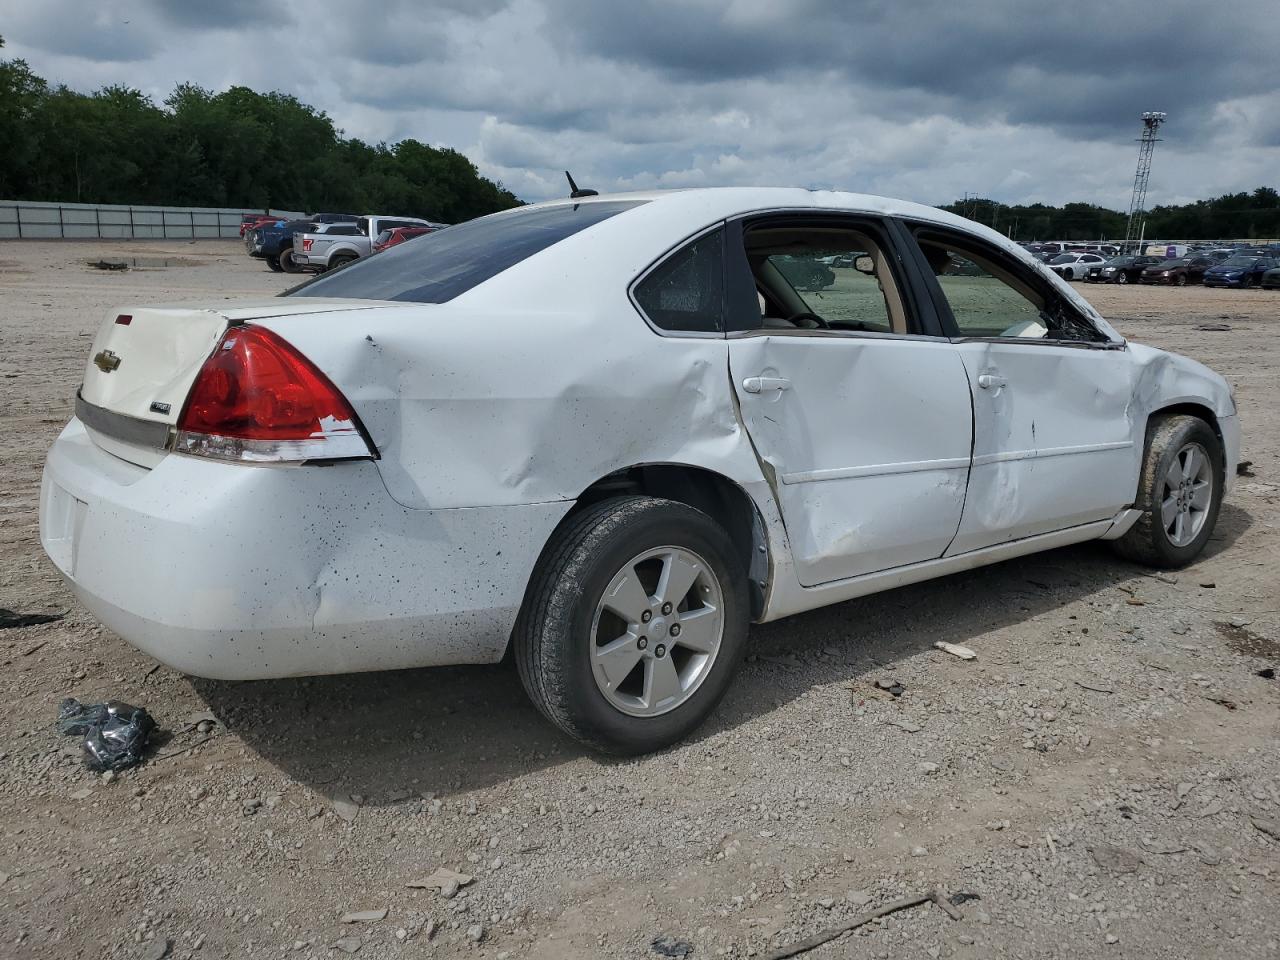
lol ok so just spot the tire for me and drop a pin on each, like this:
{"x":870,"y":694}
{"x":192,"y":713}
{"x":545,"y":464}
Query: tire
{"x":274,"y":264}
{"x":1122,"y":277}
{"x":340,"y":260}
{"x":1182,"y":280}
{"x":287,"y":263}
{"x":1154,"y":539}
{"x":558,"y":635}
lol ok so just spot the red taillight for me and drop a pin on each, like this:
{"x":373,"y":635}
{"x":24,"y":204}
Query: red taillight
{"x":306,"y":244}
{"x":258,"y":398}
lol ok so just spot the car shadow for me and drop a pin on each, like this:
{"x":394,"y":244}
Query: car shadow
{"x":392,"y":736}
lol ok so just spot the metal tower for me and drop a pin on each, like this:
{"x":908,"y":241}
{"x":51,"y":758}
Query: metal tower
{"x":1151,"y":121}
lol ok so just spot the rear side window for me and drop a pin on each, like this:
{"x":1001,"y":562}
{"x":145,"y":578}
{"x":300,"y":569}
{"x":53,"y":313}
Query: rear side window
{"x":447,"y":263}
{"x":685,"y":293}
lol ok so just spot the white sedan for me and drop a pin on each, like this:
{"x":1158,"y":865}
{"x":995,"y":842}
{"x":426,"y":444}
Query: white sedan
{"x":1075,"y":266}
{"x":609,"y":433}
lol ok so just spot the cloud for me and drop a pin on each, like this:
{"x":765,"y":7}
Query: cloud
{"x":927,"y":100}
{"x":230,"y":15}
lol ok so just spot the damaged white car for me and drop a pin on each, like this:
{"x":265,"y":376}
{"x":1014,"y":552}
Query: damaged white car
{"x":609,"y":433}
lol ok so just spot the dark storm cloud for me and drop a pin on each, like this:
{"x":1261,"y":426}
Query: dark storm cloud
{"x":220,"y":14}
{"x":1021,"y":100}
{"x":1069,"y":65}
{"x":67,"y":28}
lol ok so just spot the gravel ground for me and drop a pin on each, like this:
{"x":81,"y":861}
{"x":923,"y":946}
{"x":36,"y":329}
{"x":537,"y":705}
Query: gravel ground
{"x":1102,"y":779}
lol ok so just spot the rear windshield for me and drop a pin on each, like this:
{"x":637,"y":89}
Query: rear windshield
{"x":447,"y":263}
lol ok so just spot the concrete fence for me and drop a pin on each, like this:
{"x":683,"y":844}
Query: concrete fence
{"x":32,"y":220}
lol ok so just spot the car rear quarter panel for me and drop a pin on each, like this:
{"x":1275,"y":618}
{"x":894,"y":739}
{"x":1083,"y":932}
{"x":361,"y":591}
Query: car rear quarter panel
{"x":485,"y":409}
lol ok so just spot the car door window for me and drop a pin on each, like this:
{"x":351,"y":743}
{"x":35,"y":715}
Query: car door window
{"x":685,"y":293}
{"x":991,"y":295}
{"x":825,"y":276}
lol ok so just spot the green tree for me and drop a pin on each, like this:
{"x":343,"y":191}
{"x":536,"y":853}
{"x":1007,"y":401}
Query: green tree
{"x":21,"y":93}
{"x":237,"y":148}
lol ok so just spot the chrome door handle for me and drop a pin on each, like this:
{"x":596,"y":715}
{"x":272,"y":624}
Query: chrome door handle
{"x":761,"y":384}
{"x":987,"y":381}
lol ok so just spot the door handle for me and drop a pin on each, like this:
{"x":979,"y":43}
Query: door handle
{"x":761,"y":384}
{"x":986,"y":381}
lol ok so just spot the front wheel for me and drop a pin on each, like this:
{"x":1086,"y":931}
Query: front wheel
{"x":1181,"y":280}
{"x":1179,"y":493}
{"x":1122,"y":277}
{"x":633,"y":624}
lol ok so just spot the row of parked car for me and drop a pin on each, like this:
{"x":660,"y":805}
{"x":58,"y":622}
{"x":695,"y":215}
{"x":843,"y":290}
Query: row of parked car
{"x":325,"y":241}
{"x":1220,"y":267}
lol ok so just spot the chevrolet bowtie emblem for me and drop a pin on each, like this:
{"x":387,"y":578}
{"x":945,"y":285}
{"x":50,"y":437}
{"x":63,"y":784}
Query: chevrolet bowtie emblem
{"x":106,"y":361}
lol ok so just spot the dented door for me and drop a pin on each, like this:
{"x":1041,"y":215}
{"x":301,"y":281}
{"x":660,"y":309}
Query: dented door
{"x":1053,"y":445}
{"x":865,"y":440}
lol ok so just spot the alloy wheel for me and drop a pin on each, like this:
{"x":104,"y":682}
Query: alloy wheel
{"x":656,"y":631}
{"x":1186,"y":495}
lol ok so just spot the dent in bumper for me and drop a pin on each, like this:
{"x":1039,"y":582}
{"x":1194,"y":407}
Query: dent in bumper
{"x":240,"y":572}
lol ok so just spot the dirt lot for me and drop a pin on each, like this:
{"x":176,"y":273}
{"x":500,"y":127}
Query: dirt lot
{"x":1101,"y":779}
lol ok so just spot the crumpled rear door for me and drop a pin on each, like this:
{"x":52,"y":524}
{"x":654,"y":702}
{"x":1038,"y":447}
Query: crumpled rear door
{"x":866,"y":441}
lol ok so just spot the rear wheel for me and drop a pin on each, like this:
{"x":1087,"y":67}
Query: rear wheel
{"x":341,"y":260}
{"x":1179,"y":493}
{"x":287,"y":263}
{"x":274,"y":264}
{"x":633,"y":624}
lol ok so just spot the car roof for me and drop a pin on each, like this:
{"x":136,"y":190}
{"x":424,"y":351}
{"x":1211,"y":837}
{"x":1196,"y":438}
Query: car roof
{"x":659,"y":220}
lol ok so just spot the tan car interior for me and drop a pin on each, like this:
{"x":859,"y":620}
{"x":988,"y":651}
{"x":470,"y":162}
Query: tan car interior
{"x":785,"y":308}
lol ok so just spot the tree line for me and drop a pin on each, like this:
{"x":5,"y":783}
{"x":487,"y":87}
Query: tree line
{"x":1253,"y":215}
{"x":238,"y":148}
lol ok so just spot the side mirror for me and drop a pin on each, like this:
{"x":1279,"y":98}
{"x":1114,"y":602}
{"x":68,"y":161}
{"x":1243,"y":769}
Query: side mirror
{"x":865,"y":264}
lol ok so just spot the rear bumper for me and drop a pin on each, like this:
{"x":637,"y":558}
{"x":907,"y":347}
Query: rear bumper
{"x":241,"y":572}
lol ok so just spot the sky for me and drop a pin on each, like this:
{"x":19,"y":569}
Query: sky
{"x":1016,"y":100}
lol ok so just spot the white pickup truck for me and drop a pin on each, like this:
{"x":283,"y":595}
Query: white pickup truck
{"x":334,"y":247}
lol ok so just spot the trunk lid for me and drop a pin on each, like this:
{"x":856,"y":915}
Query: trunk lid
{"x":140,"y":372}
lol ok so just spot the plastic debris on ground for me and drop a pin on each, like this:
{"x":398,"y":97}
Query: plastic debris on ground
{"x":115,"y":733}
{"x":665,"y":946}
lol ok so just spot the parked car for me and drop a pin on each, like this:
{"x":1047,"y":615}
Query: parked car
{"x":805,"y":273}
{"x":1044,"y":252}
{"x":326,"y":252}
{"x":1120,"y":269}
{"x":1178,"y":272}
{"x":1239,"y":271}
{"x":305,"y":242}
{"x":333,"y":217}
{"x":1271,"y":279}
{"x":274,"y":243}
{"x":1074,"y":266}
{"x":633,"y":477}
{"x":394,"y":236}
{"x":1217,"y":255}
{"x":250,"y":220}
